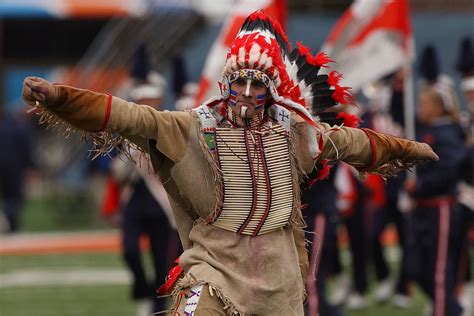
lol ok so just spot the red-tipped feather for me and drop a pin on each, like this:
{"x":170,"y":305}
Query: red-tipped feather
{"x":349,"y":120}
{"x":334,"y":78}
{"x":173,"y":275}
{"x":342,"y":95}
{"x":303,"y":50}
{"x":323,"y":173}
{"x":320,"y":60}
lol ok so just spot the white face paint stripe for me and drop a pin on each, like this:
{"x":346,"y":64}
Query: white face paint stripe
{"x":243,"y":111}
{"x":247,"y":91}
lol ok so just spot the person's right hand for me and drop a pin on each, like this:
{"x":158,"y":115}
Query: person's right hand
{"x":37,"y":89}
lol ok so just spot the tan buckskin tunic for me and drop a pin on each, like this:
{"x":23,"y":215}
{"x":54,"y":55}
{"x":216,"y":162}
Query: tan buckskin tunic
{"x":260,"y":275}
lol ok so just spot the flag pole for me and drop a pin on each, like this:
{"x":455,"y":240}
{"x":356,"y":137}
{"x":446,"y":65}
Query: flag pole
{"x":409,"y":106}
{"x":409,"y":101}
{"x":404,"y":202}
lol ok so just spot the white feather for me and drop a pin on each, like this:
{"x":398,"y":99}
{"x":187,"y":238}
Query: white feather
{"x":254,"y":54}
{"x":241,"y":59}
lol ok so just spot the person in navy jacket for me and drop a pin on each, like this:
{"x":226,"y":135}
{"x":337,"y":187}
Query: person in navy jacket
{"x":319,"y":199}
{"x":434,"y":248}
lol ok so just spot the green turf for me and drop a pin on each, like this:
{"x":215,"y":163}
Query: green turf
{"x":61,"y":212}
{"x":88,"y":260}
{"x":66,"y":300}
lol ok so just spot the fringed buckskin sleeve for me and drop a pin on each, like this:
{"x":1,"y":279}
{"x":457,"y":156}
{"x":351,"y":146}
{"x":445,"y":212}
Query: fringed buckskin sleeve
{"x":97,"y":112}
{"x":169,"y":129}
{"x":373,"y":152}
{"x":83,"y":109}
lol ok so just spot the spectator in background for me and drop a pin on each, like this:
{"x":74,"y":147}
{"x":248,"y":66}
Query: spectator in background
{"x":465,"y":66}
{"x":436,"y":238}
{"x":385,"y":114}
{"x":319,"y":197}
{"x":144,"y":206}
{"x":16,"y":156}
{"x":350,"y":199}
{"x":320,"y":214}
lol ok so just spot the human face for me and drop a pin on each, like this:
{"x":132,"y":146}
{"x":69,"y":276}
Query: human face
{"x":248,"y":97}
{"x":429,"y":108}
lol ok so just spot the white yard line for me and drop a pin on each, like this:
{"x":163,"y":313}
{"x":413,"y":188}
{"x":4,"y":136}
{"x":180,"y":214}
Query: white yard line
{"x":64,"y":277}
{"x":25,"y":237}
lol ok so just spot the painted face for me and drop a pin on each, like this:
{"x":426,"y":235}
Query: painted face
{"x":247,"y":97}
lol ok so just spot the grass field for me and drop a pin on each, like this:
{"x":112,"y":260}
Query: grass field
{"x":64,"y":299}
{"x":107,"y":296}
{"x":61,"y":212}
{"x":96,"y":299}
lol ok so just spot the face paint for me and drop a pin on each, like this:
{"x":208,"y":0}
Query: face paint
{"x":247,"y":91}
{"x":261,"y":98}
{"x":233,"y":98}
{"x":243,"y":111}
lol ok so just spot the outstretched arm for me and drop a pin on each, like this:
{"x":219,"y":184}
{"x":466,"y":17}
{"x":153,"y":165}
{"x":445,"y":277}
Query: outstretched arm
{"x":95,"y":112}
{"x":370,"y":151}
{"x":82,"y":108}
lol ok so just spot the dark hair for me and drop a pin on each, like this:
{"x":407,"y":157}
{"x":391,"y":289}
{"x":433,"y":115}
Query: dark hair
{"x":465,"y":61}
{"x":429,"y":66}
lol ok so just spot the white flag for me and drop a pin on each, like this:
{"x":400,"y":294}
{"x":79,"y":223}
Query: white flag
{"x":371,"y":40}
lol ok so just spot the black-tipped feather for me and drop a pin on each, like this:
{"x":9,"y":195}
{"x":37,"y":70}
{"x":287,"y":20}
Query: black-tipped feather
{"x":312,"y":76}
{"x":322,"y":93}
{"x":331,"y":118}
{"x":322,"y":103}
{"x":294,"y":55}
{"x":304,"y":71}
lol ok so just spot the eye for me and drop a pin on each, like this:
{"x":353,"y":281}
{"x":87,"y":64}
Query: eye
{"x":257,"y":84}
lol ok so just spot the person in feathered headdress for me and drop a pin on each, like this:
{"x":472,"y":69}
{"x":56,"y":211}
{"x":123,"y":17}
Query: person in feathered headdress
{"x":232,"y":166}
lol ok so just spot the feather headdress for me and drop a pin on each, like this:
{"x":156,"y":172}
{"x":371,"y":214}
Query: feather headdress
{"x":262,"y":50}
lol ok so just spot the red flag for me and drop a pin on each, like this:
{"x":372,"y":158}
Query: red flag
{"x":211,"y":73}
{"x":373,"y":38}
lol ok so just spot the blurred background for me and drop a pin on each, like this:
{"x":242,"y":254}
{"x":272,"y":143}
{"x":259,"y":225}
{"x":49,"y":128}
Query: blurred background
{"x":60,"y":252}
